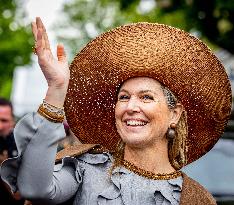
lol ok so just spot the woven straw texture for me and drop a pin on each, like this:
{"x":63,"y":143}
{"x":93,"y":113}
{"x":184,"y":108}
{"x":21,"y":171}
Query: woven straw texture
{"x":173,"y":57}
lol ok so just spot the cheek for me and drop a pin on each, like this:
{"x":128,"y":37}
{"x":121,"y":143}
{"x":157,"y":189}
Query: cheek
{"x":150,"y":111}
{"x":6,"y":124}
{"x":119,"y":110}
{"x":118,"y":117}
{"x":158,"y":114}
{"x":6,"y":127}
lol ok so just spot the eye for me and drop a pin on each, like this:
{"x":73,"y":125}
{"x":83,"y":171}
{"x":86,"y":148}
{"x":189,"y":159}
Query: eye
{"x":147,"y":98}
{"x":123,"y":98}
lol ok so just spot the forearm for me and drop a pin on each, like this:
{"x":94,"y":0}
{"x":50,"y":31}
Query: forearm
{"x":35,"y":175}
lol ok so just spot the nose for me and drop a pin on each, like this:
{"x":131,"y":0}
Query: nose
{"x":133,"y":105}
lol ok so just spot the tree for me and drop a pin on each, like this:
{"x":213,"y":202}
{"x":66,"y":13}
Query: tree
{"x":86,"y":20}
{"x":15,"y":41}
{"x":214,"y":19}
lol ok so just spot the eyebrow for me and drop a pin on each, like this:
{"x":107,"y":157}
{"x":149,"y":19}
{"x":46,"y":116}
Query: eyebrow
{"x":142,"y":91}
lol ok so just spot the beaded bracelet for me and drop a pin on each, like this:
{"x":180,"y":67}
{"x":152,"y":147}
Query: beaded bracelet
{"x":51,"y":112}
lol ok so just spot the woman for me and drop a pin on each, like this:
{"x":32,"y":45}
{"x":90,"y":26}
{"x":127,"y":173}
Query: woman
{"x":146,"y":98}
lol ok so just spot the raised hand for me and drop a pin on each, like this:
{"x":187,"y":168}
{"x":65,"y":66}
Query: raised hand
{"x":55,"y":70}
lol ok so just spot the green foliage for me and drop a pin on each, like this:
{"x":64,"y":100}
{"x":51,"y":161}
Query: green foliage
{"x":211,"y":20}
{"x":15,"y":41}
{"x":86,"y":20}
{"x":214,"y":19}
{"x":125,"y":4}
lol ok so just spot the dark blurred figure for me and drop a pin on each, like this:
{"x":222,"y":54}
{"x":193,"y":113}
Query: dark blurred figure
{"x":7,"y":149}
{"x":7,"y":142}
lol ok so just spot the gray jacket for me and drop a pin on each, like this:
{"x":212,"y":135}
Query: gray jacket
{"x":86,"y":178}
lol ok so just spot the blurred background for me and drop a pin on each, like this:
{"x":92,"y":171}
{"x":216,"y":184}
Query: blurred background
{"x":75,"y":22}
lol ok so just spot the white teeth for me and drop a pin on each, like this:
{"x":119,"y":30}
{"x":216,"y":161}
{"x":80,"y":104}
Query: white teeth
{"x":136,"y":123}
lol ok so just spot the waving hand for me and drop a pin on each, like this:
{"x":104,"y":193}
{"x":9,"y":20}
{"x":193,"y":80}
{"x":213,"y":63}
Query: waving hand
{"x":55,"y":70}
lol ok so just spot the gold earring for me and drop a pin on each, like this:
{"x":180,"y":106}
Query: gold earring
{"x":171,"y":131}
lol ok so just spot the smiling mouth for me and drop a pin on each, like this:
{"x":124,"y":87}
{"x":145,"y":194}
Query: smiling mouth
{"x":135,"y":123}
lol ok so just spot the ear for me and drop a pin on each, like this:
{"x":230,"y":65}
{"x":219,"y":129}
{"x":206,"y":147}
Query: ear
{"x":176,"y":113}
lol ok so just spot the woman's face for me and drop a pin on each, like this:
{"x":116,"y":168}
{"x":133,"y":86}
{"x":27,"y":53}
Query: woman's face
{"x":142,"y":114}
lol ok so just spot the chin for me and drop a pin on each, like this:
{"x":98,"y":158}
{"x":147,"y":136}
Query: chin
{"x":135,"y":142}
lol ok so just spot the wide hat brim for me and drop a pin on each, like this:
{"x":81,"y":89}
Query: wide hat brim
{"x":173,"y":57}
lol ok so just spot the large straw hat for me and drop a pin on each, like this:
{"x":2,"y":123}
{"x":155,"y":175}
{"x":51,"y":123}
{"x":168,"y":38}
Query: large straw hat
{"x":173,"y":57}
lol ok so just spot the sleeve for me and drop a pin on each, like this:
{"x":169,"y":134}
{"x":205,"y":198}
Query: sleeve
{"x":33,"y":172}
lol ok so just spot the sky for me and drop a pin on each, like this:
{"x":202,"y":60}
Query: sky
{"x":29,"y":85}
{"x":48,"y":10}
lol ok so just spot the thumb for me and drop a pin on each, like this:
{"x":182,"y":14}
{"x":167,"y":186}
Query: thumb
{"x":61,"y":55}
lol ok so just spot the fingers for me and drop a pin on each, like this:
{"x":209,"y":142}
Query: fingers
{"x":34,"y":30}
{"x":61,"y":55}
{"x":41,"y":28}
{"x":39,"y":23}
{"x":42,"y":41}
{"x":46,"y":40}
{"x":39,"y":43}
{"x":45,"y":36}
{"x":41,"y":36}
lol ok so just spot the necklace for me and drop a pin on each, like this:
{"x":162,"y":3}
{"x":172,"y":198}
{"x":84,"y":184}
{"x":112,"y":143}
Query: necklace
{"x":148,"y":174}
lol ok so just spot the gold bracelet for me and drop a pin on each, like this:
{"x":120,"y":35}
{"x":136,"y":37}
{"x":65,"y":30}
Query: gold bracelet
{"x":51,"y":112}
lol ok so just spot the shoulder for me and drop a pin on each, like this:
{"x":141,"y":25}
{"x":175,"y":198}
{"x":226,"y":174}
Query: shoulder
{"x":195,"y":193}
{"x":83,"y":157}
{"x":90,"y":153}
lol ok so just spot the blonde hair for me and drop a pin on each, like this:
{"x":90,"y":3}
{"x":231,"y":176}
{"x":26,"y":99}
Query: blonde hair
{"x":177,"y":150}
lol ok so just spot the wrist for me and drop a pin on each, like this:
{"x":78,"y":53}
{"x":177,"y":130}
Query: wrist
{"x":56,"y":96}
{"x":51,"y":112}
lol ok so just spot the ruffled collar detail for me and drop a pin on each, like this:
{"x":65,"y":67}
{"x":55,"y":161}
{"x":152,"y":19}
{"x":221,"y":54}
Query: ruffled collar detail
{"x":126,"y":184}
